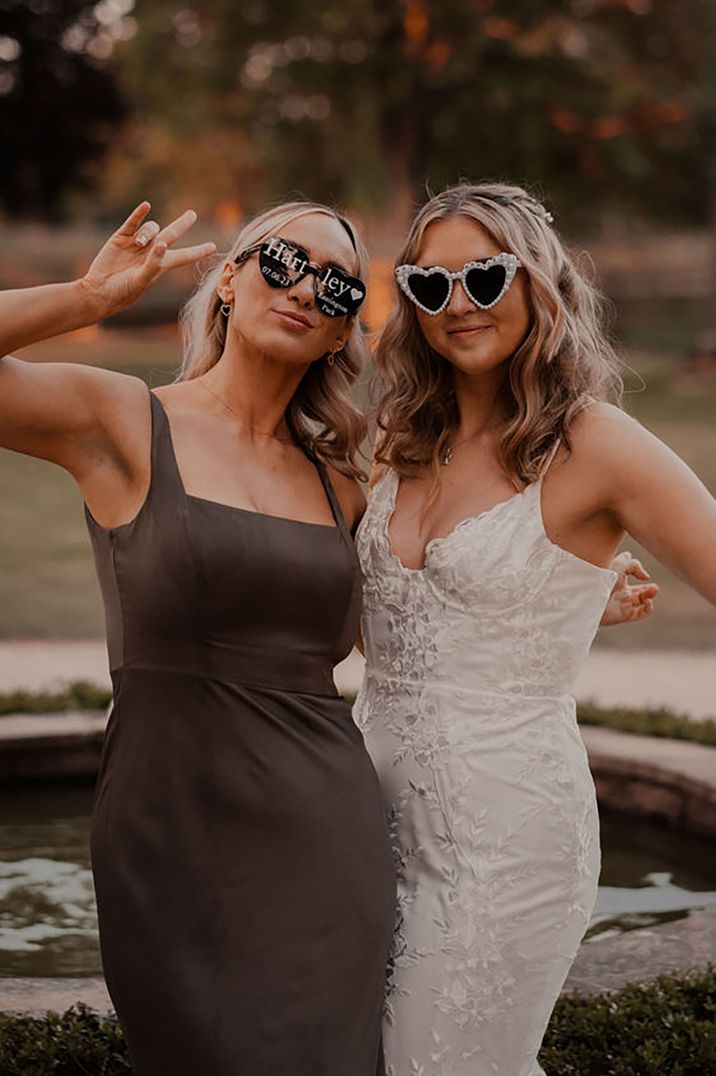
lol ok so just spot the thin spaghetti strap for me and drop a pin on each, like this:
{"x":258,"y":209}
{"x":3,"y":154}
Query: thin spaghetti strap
{"x":332,"y":498}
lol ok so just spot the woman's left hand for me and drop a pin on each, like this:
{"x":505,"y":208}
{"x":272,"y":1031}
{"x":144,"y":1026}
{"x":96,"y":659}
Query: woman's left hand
{"x":628,"y":601}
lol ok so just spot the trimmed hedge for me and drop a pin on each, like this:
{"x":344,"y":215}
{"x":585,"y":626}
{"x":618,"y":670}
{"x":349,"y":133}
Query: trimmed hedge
{"x":77,"y":1043}
{"x":78,"y":695}
{"x":650,"y":722}
{"x":82,"y":695}
{"x":663,"y":1028}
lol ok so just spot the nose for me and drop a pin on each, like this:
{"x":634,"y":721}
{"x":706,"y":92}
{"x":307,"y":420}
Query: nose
{"x":303,"y":291}
{"x":460,"y":302}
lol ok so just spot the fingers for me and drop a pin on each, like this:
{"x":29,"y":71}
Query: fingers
{"x":642,"y":601}
{"x":641,"y":612}
{"x":176,"y":229}
{"x":160,"y":239}
{"x":146,"y":233}
{"x":625,"y":562}
{"x":134,"y":219}
{"x":150,"y":230}
{"x":188,"y":255}
{"x":637,"y":569}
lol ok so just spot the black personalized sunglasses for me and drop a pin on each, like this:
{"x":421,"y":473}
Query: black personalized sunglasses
{"x":283,"y":264}
{"x":485,"y":282}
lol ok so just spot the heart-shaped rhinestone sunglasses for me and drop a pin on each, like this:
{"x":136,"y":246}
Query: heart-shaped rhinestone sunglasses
{"x":485,"y":281}
{"x":283,"y":264}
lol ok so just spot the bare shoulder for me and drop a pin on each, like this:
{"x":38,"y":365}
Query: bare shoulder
{"x":614,"y":455}
{"x":604,"y":436}
{"x":599,"y":424}
{"x":127,"y":413}
{"x":350,"y":495}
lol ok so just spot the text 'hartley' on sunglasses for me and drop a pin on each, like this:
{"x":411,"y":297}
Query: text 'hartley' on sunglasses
{"x":283,"y":264}
{"x":485,"y":281}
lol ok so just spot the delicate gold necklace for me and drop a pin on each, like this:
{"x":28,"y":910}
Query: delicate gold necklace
{"x":255,"y":429}
{"x":451,"y":449}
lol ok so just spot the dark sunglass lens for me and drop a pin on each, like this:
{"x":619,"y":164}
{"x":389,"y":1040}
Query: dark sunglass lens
{"x":338,"y":294}
{"x":429,"y":289}
{"x":281,"y":263}
{"x":485,"y":285}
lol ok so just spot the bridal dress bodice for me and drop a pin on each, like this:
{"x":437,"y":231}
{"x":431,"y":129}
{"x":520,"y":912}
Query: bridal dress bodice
{"x":467,"y":713}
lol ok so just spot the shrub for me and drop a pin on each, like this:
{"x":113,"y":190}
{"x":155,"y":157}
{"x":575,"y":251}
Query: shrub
{"x":662,"y":1028}
{"x":77,"y":1043}
{"x":649,"y":722}
{"x":78,"y":695}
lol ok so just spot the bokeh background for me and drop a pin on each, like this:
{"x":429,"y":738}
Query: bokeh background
{"x":604,"y":108}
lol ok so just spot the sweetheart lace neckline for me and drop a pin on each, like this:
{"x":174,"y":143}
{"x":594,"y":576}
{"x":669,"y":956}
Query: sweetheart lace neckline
{"x":463,"y":524}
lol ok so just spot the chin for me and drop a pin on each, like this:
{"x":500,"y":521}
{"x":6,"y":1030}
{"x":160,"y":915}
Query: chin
{"x":281,"y":347}
{"x":477,"y":362}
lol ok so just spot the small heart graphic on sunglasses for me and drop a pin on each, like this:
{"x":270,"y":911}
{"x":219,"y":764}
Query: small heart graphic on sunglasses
{"x":356,"y":295}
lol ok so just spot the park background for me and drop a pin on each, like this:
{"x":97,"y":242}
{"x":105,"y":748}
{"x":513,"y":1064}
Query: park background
{"x":606,"y":109}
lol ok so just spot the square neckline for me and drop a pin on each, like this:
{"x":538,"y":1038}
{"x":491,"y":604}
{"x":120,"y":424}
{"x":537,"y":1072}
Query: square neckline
{"x":222,"y":505}
{"x":339,"y":525}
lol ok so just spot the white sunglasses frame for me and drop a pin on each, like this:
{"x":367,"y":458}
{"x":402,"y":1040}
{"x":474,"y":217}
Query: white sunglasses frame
{"x":510,"y":262}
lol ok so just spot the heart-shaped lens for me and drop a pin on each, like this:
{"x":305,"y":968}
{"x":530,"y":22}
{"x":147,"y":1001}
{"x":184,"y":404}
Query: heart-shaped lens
{"x":429,"y":289}
{"x":485,"y":286}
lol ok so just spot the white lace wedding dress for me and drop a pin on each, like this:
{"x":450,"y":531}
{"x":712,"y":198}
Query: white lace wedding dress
{"x":467,"y":713}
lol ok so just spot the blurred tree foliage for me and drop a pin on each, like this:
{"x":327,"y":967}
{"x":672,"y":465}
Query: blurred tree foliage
{"x":610,"y":105}
{"x":59,"y":104}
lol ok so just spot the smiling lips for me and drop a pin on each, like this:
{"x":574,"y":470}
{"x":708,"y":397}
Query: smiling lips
{"x":466,"y":330}
{"x":297,"y":319}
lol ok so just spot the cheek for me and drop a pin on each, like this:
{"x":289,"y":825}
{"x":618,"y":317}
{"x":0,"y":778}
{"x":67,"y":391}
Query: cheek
{"x":251,"y":294}
{"x":431,"y":328}
{"x":331,"y":330}
{"x":514,"y":319}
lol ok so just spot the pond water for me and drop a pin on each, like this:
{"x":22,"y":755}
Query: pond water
{"x":48,"y":923}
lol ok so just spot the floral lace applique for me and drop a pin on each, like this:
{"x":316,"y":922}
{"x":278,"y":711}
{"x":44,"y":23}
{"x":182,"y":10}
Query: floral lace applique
{"x":467,"y":713}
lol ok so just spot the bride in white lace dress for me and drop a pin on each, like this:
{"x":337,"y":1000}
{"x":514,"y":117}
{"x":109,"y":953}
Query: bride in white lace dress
{"x":506,"y":487}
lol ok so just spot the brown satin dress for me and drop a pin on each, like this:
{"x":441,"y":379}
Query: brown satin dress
{"x":240,"y":852}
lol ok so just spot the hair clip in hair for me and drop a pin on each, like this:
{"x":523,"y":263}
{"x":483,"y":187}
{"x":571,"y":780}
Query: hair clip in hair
{"x":540,"y":211}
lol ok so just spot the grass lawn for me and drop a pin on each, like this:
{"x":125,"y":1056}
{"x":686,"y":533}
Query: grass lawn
{"x":47,"y":583}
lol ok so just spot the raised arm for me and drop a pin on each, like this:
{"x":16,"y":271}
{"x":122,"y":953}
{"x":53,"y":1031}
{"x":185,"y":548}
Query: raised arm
{"x":61,"y":411}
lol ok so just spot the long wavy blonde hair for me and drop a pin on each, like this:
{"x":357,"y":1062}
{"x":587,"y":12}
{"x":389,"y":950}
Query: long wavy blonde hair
{"x":321,"y":414}
{"x":565,"y":361}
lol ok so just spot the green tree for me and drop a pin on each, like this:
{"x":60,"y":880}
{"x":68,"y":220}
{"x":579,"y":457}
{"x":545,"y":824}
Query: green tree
{"x":58,"y":102}
{"x":608,"y":104}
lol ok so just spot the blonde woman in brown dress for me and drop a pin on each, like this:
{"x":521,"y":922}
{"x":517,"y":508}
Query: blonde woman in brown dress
{"x":244,"y":881}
